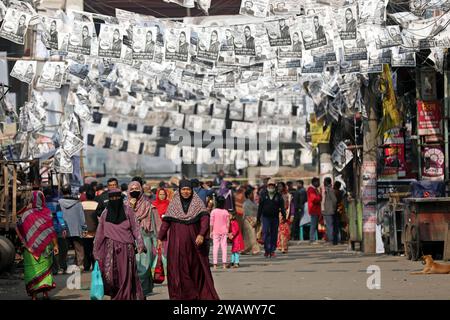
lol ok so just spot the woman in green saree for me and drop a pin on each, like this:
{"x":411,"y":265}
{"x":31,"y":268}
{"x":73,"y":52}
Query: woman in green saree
{"x":36,"y":231}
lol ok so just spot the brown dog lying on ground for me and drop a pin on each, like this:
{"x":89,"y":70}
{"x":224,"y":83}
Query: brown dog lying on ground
{"x":432,"y":267}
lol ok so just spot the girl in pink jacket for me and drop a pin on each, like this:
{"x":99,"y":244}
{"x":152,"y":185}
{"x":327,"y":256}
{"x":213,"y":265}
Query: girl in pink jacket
{"x":235,"y":236}
{"x":219,"y":226}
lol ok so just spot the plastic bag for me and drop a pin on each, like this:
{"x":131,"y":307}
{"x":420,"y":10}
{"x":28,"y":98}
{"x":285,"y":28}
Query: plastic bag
{"x":159,"y":268}
{"x":97,"y":291}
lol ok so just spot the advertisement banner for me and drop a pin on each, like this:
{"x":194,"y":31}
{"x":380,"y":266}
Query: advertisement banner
{"x":429,"y":116}
{"x":433,"y":163}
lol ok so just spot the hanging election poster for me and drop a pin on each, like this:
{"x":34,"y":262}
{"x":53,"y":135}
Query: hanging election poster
{"x":177,"y":44}
{"x":144,"y":42}
{"x":52,"y":74}
{"x":279,"y":32}
{"x":24,"y":70}
{"x":347,"y":22}
{"x":15,"y":26}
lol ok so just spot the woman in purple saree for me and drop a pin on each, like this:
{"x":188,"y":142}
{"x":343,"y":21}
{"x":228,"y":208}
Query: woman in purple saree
{"x":117,"y":237}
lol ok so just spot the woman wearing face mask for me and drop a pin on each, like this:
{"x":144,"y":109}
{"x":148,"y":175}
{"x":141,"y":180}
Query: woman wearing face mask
{"x":149,"y":223}
{"x":117,"y":238}
{"x":188,"y":274}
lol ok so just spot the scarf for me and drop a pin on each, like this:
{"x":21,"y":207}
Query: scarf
{"x":176,"y":210}
{"x":185,"y":203}
{"x":142,"y":208}
{"x":161,"y":205}
{"x":224,"y":190}
{"x":115,"y":211}
{"x":35,"y":226}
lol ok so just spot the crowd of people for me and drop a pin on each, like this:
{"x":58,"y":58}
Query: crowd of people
{"x":124,"y":227}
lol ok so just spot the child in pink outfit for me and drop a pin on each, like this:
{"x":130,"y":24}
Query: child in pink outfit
{"x":220,"y":224}
{"x":237,"y":241}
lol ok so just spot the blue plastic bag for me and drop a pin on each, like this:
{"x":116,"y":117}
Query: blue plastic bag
{"x":97,"y":291}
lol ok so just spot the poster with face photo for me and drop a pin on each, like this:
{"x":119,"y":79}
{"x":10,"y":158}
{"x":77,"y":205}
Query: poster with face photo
{"x":80,"y":39}
{"x":208,"y":42}
{"x":24,"y":70}
{"x":288,"y":157}
{"x":62,"y":162}
{"x":52,"y":74}
{"x":407,"y":59}
{"x":388,"y":37}
{"x":313,"y":31}
{"x":226,"y":54}
{"x":144,"y":42}
{"x":279,"y":32}
{"x":177,"y":44}
{"x":378,"y":56}
{"x":325,"y":53}
{"x":284,"y":7}
{"x":15,"y":26}
{"x":293,"y":51}
{"x":50,"y":32}
{"x":71,"y":144}
{"x":347,"y":22}
{"x":225,"y":80}
{"x":372,"y":11}
{"x":355,"y":49}
{"x":244,"y":42}
{"x":254,"y":8}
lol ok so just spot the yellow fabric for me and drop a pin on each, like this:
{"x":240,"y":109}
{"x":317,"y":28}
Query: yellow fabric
{"x":391,"y":115}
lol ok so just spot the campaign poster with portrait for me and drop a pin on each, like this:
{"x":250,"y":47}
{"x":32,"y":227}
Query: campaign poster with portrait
{"x":293,"y":51}
{"x":226,"y":54}
{"x":24,"y":70}
{"x":254,"y":8}
{"x":177,"y":44}
{"x":407,"y":59}
{"x":52,"y":74}
{"x":313,"y":31}
{"x":209,"y":41}
{"x":144,"y":42}
{"x":279,"y":32}
{"x":347,"y":22}
{"x":110,"y":41}
{"x":244,"y":42}
{"x":356,"y":49}
{"x":372,"y":11}
{"x":192,"y":78}
{"x":15,"y":26}
{"x":284,"y":7}
{"x":80,"y":39}
{"x":387,"y":37}
{"x":251,"y":112}
{"x":50,"y":32}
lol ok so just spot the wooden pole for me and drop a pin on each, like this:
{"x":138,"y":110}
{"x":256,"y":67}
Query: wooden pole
{"x":14,"y":195}
{"x":6,"y":182}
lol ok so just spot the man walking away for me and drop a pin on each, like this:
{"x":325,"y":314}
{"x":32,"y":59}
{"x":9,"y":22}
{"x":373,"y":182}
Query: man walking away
{"x":89,"y":207}
{"x":103,"y":199}
{"x":200,"y":191}
{"x":314,"y":196}
{"x":73,"y":215}
{"x":329,"y":212}
{"x":300,"y":198}
{"x":270,"y":204}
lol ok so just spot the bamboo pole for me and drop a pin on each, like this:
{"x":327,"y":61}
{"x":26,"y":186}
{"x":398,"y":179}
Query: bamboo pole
{"x":14,"y":195}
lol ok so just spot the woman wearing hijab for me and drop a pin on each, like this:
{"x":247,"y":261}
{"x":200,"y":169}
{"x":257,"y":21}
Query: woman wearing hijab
{"x":36,"y":231}
{"x":117,"y":238}
{"x":162,"y":202}
{"x":149,"y":222}
{"x":188,"y":274}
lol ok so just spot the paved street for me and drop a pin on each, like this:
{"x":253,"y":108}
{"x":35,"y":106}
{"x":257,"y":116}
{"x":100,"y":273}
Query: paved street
{"x":306,"y":272}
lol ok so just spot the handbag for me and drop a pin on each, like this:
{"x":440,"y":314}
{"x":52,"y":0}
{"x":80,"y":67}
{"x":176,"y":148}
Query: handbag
{"x":159,"y":268}
{"x":97,"y":290}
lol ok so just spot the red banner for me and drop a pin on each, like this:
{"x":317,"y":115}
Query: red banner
{"x":429,"y":116}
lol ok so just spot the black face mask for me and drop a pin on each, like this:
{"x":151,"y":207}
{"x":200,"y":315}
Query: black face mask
{"x":135,"y":194}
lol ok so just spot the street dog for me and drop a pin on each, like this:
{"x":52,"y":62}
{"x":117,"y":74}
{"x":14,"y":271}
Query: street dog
{"x":432,"y":267}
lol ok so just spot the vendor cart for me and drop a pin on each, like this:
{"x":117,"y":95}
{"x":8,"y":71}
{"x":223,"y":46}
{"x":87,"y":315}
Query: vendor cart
{"x":426,"y":221}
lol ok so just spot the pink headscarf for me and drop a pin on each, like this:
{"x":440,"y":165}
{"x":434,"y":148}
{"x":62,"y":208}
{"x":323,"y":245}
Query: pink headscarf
{"x":143,"y":207}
